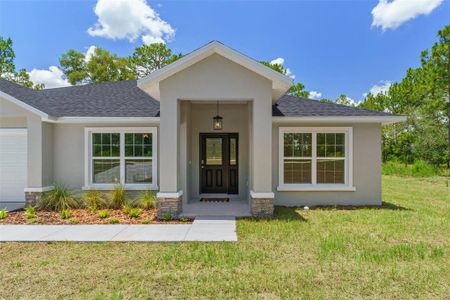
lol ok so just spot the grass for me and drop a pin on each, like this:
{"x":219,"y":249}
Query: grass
{"x":398,"y":251}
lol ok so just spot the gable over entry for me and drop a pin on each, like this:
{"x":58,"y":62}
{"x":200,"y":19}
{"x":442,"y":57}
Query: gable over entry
{"x":209,"y":74}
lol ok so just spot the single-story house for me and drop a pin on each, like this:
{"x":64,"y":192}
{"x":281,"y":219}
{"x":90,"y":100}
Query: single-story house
{"x":213,"y":124}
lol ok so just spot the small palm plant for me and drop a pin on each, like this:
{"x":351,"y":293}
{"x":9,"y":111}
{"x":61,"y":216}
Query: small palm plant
{"x":3,"y":213}
{"x":30,"y":212}
{"x":146,"y":200}
{"x":58,"y":199}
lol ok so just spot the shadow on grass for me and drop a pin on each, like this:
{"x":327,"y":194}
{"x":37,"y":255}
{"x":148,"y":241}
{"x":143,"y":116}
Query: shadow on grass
{"x":288,"y":214}
{"x":384,"y":205}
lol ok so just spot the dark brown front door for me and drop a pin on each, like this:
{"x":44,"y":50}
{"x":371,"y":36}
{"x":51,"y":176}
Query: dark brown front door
{"x":219,"y":167}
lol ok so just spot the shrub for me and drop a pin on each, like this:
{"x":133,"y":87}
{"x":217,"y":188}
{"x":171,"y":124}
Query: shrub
{"x":65,"y":214}
{"x":3,"y":213}
{"x":30,"y":212}
{"x":118,"y":197}
{"x":420,"y":168}
{"x":134,"y":212}
{"x":103,"y":214}
{"x":146,"y":200}
{"x":167,"y":216}
{"x":114,"y":220}
{"x":58,"y":199}
{"x":74,"y":221}
{"x":146,"y":221}
{"x":184,"y":219}
{"x":94,"y":199}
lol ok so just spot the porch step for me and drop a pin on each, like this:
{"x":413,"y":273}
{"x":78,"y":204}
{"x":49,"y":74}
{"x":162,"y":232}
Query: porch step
{"x":232,"y":209}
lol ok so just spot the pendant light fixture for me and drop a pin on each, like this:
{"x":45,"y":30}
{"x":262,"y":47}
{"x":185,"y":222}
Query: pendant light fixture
{"x":217,"y":120}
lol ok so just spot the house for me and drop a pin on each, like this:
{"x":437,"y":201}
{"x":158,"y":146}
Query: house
{"x":213,"y":124}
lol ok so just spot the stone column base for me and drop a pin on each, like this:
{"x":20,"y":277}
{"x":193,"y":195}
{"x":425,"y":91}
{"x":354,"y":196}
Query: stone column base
{"x":32,"y":198}
{"x":169,"y":203}
{"x":261,"y":204}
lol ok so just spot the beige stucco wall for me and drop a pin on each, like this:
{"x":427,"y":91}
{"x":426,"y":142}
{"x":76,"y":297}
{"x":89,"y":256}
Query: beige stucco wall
{"x":212,"y":79}
{"x":366,"y":170}
{"x":68,"y":151}
{"x":39,"y":139}
{"x":235,"y":120}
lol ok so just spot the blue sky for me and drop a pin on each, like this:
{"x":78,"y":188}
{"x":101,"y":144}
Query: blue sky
{"x":330,"y":46}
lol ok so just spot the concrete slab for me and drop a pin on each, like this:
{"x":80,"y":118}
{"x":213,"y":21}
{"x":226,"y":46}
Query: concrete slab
{"x":205,"y":229}
{"x":213,"y":229}
{"x":86,"y":233}
{"x":154,"y":233}
{"x":27,"y":233}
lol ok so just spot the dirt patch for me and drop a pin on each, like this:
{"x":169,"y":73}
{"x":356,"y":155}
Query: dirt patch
{"x":85,"y":216}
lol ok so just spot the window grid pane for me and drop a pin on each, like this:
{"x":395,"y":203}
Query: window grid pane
{"x":330,"y":145}
{"x":106,"y":170}
{"x":138,"y":171}
{"x":330,"y":171}
{"x":297,"y":171}
{"x":297,"y":145}
{"x":138,"y":145}
{"x":106,"y":144}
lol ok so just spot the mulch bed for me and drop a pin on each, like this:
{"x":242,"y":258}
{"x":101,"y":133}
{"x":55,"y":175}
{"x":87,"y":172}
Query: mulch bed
{"x":85,"y":216}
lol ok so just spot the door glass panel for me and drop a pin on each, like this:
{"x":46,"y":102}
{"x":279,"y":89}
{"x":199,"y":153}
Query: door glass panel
{"x":213,"y":151}
{"x":233,"y":152}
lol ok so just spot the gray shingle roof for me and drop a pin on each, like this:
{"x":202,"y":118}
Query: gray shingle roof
{"x":125,"y":99}
{"x":290,"y":106}
{"x":111,"y":99}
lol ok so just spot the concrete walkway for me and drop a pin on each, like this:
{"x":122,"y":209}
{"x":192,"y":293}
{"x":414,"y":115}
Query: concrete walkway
{"x":205,"y":229}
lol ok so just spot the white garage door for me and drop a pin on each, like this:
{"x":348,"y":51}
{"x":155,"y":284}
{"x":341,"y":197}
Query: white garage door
{"x":13,"y":164}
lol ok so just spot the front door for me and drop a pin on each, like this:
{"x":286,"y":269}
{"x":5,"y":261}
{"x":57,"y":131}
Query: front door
{"x":219,"y":163}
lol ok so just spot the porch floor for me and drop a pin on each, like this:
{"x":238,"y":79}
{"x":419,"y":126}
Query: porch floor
{"x":234,"y":208}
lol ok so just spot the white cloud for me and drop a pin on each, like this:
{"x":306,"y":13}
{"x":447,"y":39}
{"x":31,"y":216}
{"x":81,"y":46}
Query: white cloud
{"x":51,"y":78}
{"x":280,"y":61}
{"x":130,"y":19}
{"x":277,"y":61}
{"x":90,"y":51}
{"x":381,"y":87}
{"x":391,"y":14}
{"x":315,"y":95}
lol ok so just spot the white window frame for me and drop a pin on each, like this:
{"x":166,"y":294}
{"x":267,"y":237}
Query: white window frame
{"x":314,"y":186}
{"x":88,"y":176}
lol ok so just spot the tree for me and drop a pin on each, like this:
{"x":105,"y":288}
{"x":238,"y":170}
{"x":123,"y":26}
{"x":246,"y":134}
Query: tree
{"x":73,"y":65}
{"x":149,"y":58}
{"x":344,"y":100}
{"x":102,"y":66}
{"x":422,"y":95}
{"x":8,"y":68}
{"x":439,"y":62}
{"x":297,"y":89}
{"x":7,"y":57}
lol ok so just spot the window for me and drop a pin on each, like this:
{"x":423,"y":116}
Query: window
{"x":121,"y":156}
{"x":315,"y":158}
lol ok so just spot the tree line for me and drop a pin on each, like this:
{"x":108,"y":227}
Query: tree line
{"x":422,"y":95}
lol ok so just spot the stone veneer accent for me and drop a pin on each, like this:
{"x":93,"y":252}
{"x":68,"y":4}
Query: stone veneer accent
{"x":32,"y":198}
{"x":168,"y":205}
{"x":261,"y":207}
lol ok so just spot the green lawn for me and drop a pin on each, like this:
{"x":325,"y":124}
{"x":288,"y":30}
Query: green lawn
{"x":398,"y":251}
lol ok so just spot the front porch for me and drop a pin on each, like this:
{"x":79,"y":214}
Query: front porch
{"x":235,"y":207}
{"x":217,"y":163}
